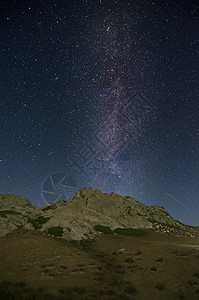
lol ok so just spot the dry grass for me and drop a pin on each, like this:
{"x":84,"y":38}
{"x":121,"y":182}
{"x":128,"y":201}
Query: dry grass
{"x":151,"y":267}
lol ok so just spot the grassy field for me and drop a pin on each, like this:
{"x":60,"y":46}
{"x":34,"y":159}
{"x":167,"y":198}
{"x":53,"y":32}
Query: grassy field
{"x":111,"y":266}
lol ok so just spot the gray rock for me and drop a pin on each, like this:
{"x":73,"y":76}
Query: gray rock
{"x":12,"y":201}
{"x":76,"y":218}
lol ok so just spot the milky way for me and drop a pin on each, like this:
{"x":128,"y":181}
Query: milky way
{"x":123,"y":110}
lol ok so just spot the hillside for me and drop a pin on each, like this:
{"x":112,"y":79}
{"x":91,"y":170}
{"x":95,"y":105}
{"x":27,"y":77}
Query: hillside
{"x":95,"y":246}
{"x":86,"y":214}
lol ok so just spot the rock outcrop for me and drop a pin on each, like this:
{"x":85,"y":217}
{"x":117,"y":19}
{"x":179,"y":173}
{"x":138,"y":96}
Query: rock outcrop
{"x":8,"y":201}
{"x":75,"y":219}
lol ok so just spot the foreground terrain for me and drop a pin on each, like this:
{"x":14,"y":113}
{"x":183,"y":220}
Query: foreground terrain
{"x":111,"y":266}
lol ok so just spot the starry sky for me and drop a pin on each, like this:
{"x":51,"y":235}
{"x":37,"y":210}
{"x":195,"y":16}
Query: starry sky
{"x":104,"y":94}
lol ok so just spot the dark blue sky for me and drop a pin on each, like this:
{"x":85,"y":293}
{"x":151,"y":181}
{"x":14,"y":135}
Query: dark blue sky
{"x":102,"y":94}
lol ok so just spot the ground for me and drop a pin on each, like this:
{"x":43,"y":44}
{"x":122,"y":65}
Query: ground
{"x":154,"y":266}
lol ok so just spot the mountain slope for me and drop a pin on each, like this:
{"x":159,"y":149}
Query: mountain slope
{"x":76,"y":218}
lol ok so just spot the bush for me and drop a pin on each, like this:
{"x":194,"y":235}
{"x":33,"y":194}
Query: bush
{"x":160,"y":286}
{"x":68,"y":292}
{"x":101,"y":292}
{"x":130,"y":289}
{"x":104,"y":229}
{"x":196,"y":274}
{"x":21,"y":291}
{"x":63,"y":267}
{"x":38,"y":222}
{"x":129,"y":260}
{"x":4,"y":213}
{"x":56,"y":231}
{"x":79,"y":289}
{"x":110,"y":292}
{"x":160,"y":259}
{"x":130,"y":231}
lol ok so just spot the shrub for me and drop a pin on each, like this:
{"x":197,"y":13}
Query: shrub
{"x":130,"y":289}
{"x":68,"y":292}
{"x":160,"y":259}
{"x":56,"y":231}
{"x":110,"y":292}
{"x":130,"y":231}
{"x":160,"y":286}
{"x":192,"y":282}
{"x":152,"y":220}
{"x":196,"y":274}
{"x":100,"y":277}
{"x":124,"y":297}
{"x":104,"y":229}
{"x":101,"y":292}
{"x":115,"y":281}
{"x":139,"y":253}
{"x":129,"y":260}
{"x":4,"y":213}
{"x":21,"y":291}
{"x":120,"y":271}
{"x":38,"y":222}
{"x":63,"y":267}
{"x":20,"y":284}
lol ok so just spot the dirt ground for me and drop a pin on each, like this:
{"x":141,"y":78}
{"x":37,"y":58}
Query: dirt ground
{"x":155,"y":266}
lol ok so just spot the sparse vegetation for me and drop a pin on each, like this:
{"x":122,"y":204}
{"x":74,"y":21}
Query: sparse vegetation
{"x":104,"y":229}
{"x":160,"y":286}
{"x":120,"y":231}
{"x":159,"y":259}
{"x":152,"y":220}
{"x":110,"y":292}
{"x":130,"y":289}
{"x":138,"y":253}
{"x":38,"y":222}
{"x":196,"y":274}
{"x":79,"y":289}
{"x":130,"y":231}
{"x":4,"y":213}
{"x":45,"y":271}
{"x":63,"y":267}
{"x":68,"y":292}
{"x":101,"y":292}
{"x":56,"y":231}
{"x":180,"y":253}
{"x":181,"y":297}
{"x":129,"y":260}
{"x":192,"y":282}
{"x":100,"y":277}
{"x":21,"y":291}
{"x":107,"y":267}
{"x":124,"y":297}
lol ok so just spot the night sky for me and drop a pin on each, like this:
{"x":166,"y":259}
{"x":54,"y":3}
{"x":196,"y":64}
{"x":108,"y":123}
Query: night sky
{"x":101,"y":94}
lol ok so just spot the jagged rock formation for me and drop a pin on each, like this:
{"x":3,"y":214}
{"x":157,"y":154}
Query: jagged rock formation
{"x":8,"y":201}
{"x":76,"y":218}
{"x":14,"y":212}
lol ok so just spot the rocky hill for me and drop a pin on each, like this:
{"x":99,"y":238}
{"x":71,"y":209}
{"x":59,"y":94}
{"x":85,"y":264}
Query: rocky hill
{"x":87,"y":213}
